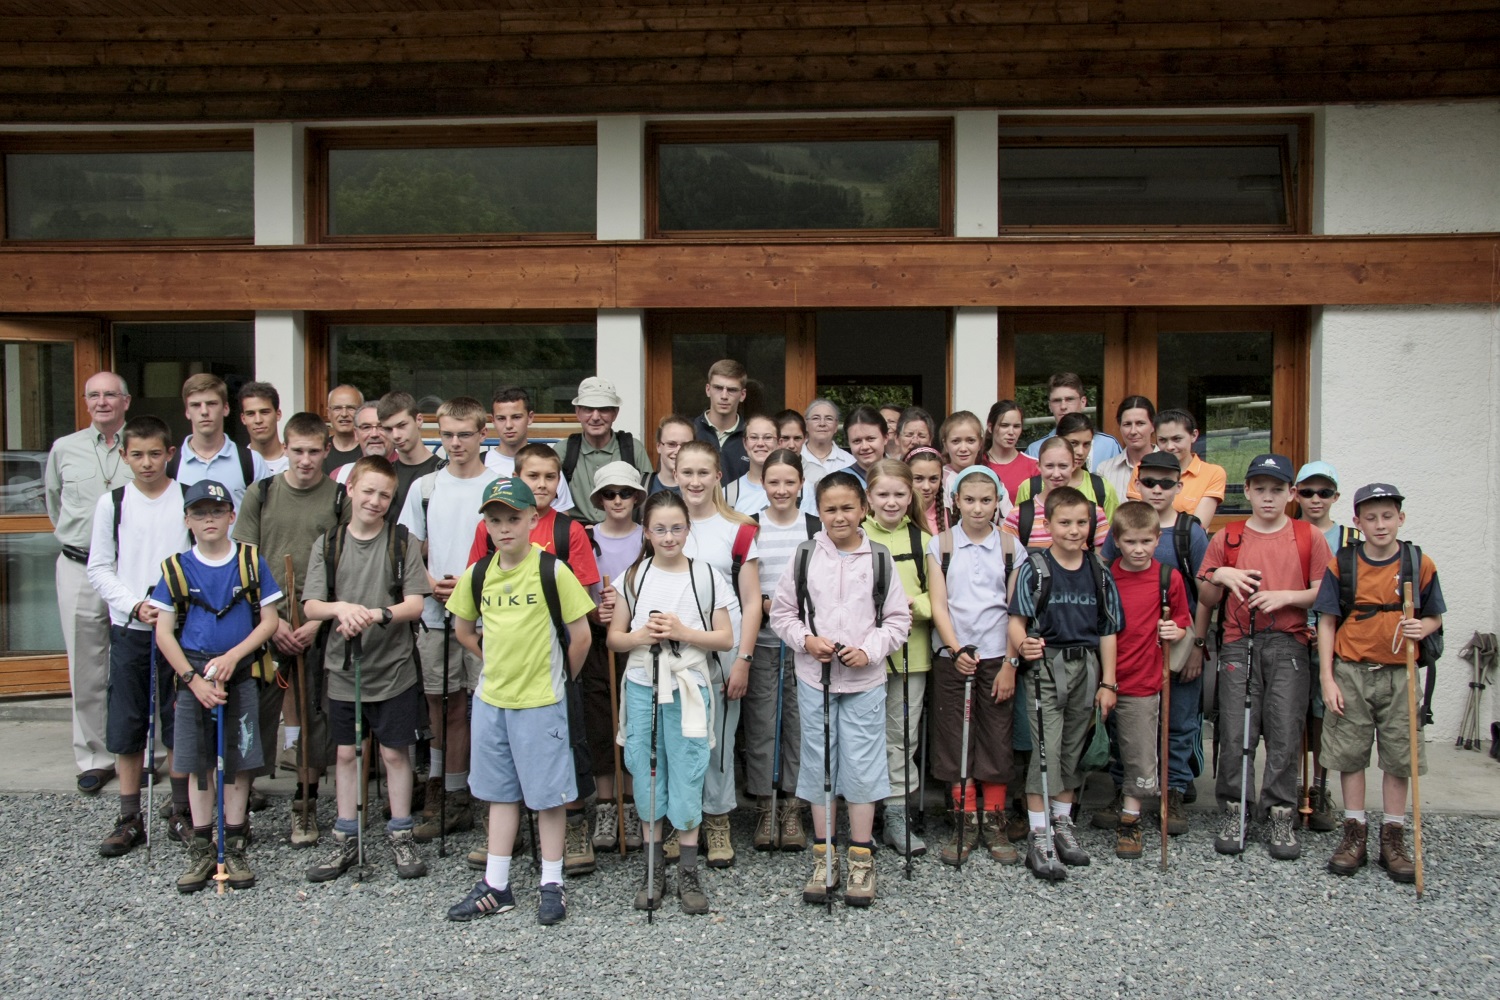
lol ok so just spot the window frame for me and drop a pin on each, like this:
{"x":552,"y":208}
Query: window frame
{"x":139,"y":141}
{"x":1297,"y":165}
{"x":320,"y":141}
{"x":660,"y":134}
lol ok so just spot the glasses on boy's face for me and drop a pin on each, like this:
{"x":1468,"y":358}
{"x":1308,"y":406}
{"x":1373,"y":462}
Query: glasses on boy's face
{"x":1323,"y":494}
{"x":676,"y":530}
{"x":1158,"y":484}
{"x":616,"y":494}
{"x":458,"y":435}
{"x":210,"y":515}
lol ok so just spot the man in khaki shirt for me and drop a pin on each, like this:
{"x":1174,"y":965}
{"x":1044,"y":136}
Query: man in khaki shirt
{"x":81,"y":468}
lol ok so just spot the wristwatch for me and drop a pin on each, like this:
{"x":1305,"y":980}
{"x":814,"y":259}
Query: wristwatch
{"x":1199,"y":642}
{"x":1014,"y":661}
{"x":1110,"y":687}
{"x":386,"y":614}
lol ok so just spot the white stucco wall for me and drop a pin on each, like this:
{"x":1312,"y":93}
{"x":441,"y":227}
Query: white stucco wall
{"x":1407,"y":395}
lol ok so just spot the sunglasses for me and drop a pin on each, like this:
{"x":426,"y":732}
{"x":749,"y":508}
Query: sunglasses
{"x":1157,"y":484}
{"x":1322,"y":494}
{"x":617,"y":494}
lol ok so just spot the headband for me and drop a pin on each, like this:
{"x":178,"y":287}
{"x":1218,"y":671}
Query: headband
{"x":977,"y":470}
{"x":922,"y":449}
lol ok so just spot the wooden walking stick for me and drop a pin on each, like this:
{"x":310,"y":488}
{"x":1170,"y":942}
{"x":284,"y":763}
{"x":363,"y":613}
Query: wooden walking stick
{"x":1411,"y":711}
{"x":299,"y":690}
{"x":1305,"y":810}
{"x":1164,"y":725}
{"x":614,"y":721}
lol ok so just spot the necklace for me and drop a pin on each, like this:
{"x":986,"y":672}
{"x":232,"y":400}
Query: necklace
{"x":109,"y":474}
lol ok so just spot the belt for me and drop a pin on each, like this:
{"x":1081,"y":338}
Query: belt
{"x":76,"y":554}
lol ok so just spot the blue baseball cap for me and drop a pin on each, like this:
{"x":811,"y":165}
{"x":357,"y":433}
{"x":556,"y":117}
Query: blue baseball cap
{"x":206,"y":489}
{"x":1318,"y":469}
{"x":1270,"y":466}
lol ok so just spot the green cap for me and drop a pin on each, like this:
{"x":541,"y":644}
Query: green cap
{"x":511,"y":492}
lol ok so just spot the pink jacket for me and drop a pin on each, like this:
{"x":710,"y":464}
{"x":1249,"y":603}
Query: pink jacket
{"x":841,"y":594}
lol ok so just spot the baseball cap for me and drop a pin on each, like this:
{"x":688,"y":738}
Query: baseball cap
{"x":205,"y":489}
{"x":512,"y":492}
{"x":1270,"y":466}
{"x":596,"y":391}
{"x":1377,"y":491}
{"x":617,"y":474}
{"x":1322,"y":469}
{"x":1160,"y":460}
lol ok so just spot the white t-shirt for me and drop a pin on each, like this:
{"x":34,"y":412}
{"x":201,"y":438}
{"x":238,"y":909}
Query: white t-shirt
{"x":452,"y":514}
{"x":276,"y":466}
{"x":673,"y":592}
{"x":505,"y":465}
{"x":776,"y":547}
{"x":712,"y":540}
{"x":750,"y":498}
{"x":151,"y":530}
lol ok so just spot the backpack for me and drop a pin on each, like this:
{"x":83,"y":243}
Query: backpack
{"x":1348,"y":535}
{"x":562,"y":538}
{"x":1027,"y":509}
{"x":263,"y":494}
{"x":248,"y":557}
{"x":1430,"y":649}
{"x":885,"y":567}
{"x":396,"y":542}
{"x":574,"y":448}
{"x":1182,"y":549}
{"x":246,"y":457}
{"x":739,"y":551}
{"x":1043,"y":595}
{"x":945,"y":554}
{"x":428,"y":483}
{"x":548,"y":570}
{"x":1234,"y":537}
{"x":917,"y":555}
{"x":631,"y":591}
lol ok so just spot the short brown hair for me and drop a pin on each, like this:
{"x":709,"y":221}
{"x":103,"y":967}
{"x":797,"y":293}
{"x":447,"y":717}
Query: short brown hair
{"x":393,"y":404}
{"x":1067,"y":496}
{"x":729,"y":368}
{"x":539,"y":451}
{"x":372,"y":463}
{"x":260,"y":390}
{"x":205,"y":382}
{"x":304,"y":424}
{"x":1066,"y":380}
{"x":1134,"y":515}
{"x":465,"y":408}
{"x":145,"y":428}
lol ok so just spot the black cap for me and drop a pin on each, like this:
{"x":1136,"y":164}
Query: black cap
{"x":1272,"y":467}
{"x":1377,"y":491}
{"x":1161,"y":460}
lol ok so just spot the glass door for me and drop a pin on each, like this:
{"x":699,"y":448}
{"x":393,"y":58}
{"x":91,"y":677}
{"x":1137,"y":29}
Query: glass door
{"x":43,"y":366}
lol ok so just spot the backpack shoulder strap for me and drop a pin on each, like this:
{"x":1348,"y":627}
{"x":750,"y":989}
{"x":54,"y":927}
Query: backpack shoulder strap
{"x":571,"y":451}
{"x":177,"y":588}
{"x":812,"y":524}
{"x":548,"y":570}
{"x":739,"y":551}
{"x":263,"y":494}
{"x":800,"y":562}
{"x":249,"y":559}
{"x":1302,"y":532}
{"x":1026,"y":519}
{"x":476,"y":578}
{"x":117,"y":497}
{"x":880,"y":588}
{"x":1182,"y":549}
{"x":396,"y":554}
{"x":247,"y":463}
{"x":697,"y":578}
{"x":562,"y":536}
{"x":627,"y":447}
{"x":1043,"y":592}
{"x":340,"y":496}
{"x":632,"y":589}
{"x":945,"y":551}
{"x":1097,"y":566}
{"x":1234,"y":536}
{"x":1100,"y":490}
{"x":173,"y":463}
{"x":1166,"y":583}
{"x":425,"y":486}
{"x":916,"y":554}
{"x":1411,"y":572}
{"x":1348,"y":563}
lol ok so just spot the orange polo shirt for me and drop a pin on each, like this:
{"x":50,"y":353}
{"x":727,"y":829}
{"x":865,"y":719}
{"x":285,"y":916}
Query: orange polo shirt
{"x":1200,"y":479}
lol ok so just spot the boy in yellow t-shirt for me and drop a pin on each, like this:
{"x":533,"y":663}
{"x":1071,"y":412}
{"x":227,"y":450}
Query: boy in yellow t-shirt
{"x":533,"y":610}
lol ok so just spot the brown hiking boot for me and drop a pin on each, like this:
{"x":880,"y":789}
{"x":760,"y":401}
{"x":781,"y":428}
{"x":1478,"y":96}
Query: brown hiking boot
{"x":305,"y":834}
{"x":817,"y":887}
{"x":1323,"y":818}
{"x":1128,"y":838}
{"x":201,"y":865}
{"x":128,"y":832}
{"x":671,"y":847}
{"x":765,"y":826}
{"x":236,"y":865}
{"x":1177,"y":819}
{"x":720,"y":853}
{"x":460,"y":815}
{"x":793,"y":833}
{"x":1393,"y":857}
{"x":1351,"y":854}
{"x":992,"y":829}
{"x":965,"y":839}
{"x":1108,"y":817}
{"x":578,"y":850}
{"x":861,"y":890}
{"x":1017,"y":825}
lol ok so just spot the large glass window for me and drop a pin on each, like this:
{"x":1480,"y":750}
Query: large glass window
{"x":799,"y":177}
{"x":435,"y":362}
{"x":163,"y":195}
{"x":456,"y":183}
{"x":155,"y":358}
{"x":1077,"y":347}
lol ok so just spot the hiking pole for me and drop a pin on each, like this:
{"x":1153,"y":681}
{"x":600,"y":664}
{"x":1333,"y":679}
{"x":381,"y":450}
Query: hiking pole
{"x":1305,"y":809}
{"x":651,"y":829}
{"x":1041,"y":754}
{"x":906,"y":747}
{"x":221,"y":876}
{"x":299,"y":686}
{"x":1411,"y":729}
{"x":963,"y":758}
{"x":922,"y":767}
{"x":1165,"y":725}
{"x":151,"y":754}
{"x":1247,"y":749}
{"x":828,"y":855}
{"x":614,"y":722}
{"x":443,"y":797}
{"x":359,"y":751}
{"x":776,"y":743}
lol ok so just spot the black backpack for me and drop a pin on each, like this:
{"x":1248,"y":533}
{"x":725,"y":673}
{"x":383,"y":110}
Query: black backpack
{"x":246,"y":457}
{"x":550,"y":595}
{"x":574,"y":448}
{"x":1043,"y":594}
{"x":880,"y":585}
{"x":1027,"y":510}
{"x":1182,"y":548}
{"x":1430,"y":649}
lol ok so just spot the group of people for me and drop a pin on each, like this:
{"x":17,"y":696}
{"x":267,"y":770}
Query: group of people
{"x":541,"y":627}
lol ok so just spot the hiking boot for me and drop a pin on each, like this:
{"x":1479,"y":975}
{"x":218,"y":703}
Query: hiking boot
{"x":652,"y":890}
{"x":1041,"y":858}
{"x":165,"y":810}
{"x":129,"y":831}
{"x":1128,"y":839}
{"x":552,"y":908}
{"x":305,"y":834}
{"x":179,"y":828}
{"x":236,"y":865}
{"x":1324,"y":818}
{"x":578,"y":852}
{"x":477,"y":859}
{"x":992,"y":823}
{"x":288,"y":758}
{"x":965,"y":839}
{"x":817,"y":889}
{"x":460,"y":815}
{"x":671,"y":847}
{"x":339,"y":860}
{"x":897,"y":829}
{"x":690,"y":893}
{"x":1393,"y":857}
{"x":861,"y":891}
{"x":1017,"y":825}
{"x":606,"y":827}
{"x":632,"y":828}
{"x":1177,"y":819}
{"x":720,"y":853}
{"x":1108,"y":818}
{"x":1283,"y":845}
{"x":482,"y":901}
{"x":201,"y":865}
{"x":765,"y":826}
{"x":1065,"y":841}
{"x":1231,"y":830}
{"x":432,"y":798}
{"x":1190,"y":794}
{"x":1352,"y":854}
{"x":409,"y":864}
{"x":793,"y":833}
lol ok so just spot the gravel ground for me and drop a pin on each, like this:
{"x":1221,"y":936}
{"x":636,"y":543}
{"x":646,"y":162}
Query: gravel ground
{"x":76,"y":924}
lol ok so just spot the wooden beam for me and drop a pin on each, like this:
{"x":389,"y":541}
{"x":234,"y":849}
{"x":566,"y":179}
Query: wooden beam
{"x":1201,"y":271}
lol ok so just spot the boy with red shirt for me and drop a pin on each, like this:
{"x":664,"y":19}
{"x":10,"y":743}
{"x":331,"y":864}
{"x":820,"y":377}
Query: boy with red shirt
{"x":1136,"y":529}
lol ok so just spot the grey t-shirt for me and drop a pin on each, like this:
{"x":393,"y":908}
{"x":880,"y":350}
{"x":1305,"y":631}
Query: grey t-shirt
{"x":387,"y":666}
{"x":287,"y":522}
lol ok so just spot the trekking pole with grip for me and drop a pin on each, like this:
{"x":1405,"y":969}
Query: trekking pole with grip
{"x":614,"y":723}
{"x":151,"y":753}
{"x":1407,"y":611}
{"x":651,"y":829}
{"x":828,"y":855}
{"x":221,"y":876}
{"x":776,"y":743}
{"x":1041,"y":752}
{"x":906,"y":748}
{"x":443,"y":795}
{"x":359,"y":751}
{"x":963,"y":757}
{"x":1165,"y":725}
{"x":299,"y":690}
{"x":1247,"y":748}
{"x":1305,"y":810}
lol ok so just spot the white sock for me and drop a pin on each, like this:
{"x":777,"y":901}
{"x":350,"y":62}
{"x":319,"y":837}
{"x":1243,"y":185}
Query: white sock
{"x":1038,"y":820}
{"x":1131,"y":812}
{"x":1398,"y":820}
{"x":497,"y":871}
{"x":1061,"y":809}
{"x":435,"y":768}
{"x":552,"y":871}
{"x":292,"y":732}
{"x":458,"y":781}
{"x":1358,"y":814}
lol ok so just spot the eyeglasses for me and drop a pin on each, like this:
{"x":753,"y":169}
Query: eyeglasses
{"x":458,"y":435}
{"x":1323,"y":494}
{"x":108,"y":397}
{"x":676,"y":530}
{"x":617,"y":494}
{"x":351,"y":408}
{"x":1157,"y":484}
{"x":210,"y":515}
